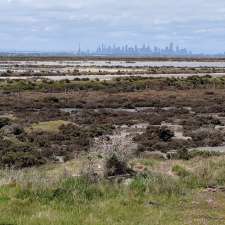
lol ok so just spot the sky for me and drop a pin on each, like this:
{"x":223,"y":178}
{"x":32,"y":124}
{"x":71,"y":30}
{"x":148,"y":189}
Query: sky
{"x":60,"y":25}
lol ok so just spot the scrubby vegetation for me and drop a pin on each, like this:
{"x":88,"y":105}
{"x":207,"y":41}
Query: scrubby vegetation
{"x":116,"y":85}
{"x":35,"y":119}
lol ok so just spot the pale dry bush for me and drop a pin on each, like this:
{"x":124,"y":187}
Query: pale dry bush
{"x":117,"y":157}
{"x":118,"y":146}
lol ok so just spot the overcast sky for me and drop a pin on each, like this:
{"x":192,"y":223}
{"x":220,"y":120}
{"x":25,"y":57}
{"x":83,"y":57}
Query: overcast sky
{"x":62,"y":24}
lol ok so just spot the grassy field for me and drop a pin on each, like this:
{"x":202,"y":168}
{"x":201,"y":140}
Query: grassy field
{"x":167,"y":192}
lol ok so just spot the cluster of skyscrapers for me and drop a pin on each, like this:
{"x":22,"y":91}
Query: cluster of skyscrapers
{"x":145,"y":50}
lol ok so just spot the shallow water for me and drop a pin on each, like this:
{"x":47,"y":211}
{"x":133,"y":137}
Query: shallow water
{"x":218,"y":149}
{"x":100,"y":63}
{"x":131,"y":110}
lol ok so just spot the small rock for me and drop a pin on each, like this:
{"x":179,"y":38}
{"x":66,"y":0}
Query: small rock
{"x":139,"y":168}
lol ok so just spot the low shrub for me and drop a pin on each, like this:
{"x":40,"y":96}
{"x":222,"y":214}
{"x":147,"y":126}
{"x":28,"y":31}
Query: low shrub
{"x":114,"y":167}
{"x":165,"y":134}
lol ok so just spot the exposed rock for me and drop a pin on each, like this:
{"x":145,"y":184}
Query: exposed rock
{"x":60,"y":159}
{"x":139,"y":168}
{"x":128,"y":181}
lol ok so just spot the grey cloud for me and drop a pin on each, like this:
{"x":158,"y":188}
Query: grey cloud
{"x":62,"y":24}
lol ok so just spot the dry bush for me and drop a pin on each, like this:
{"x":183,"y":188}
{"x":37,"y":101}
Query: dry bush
{"x":207,"y":137}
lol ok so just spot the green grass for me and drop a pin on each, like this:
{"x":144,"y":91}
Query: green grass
{"x":151,"y":198}
{"x":49,"y":126}
{"x":76,"y":202}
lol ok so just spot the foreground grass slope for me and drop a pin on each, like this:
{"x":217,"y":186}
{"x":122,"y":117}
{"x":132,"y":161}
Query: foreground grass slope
{"x":118,"y":209}
{"x":180,"y":192}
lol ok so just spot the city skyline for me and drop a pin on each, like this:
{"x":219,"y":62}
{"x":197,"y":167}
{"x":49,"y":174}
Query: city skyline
{"x":136,"y":50}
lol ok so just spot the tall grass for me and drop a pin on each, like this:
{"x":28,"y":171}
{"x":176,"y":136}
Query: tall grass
{"x":157,"y":184}
{"x":39,"y":184}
